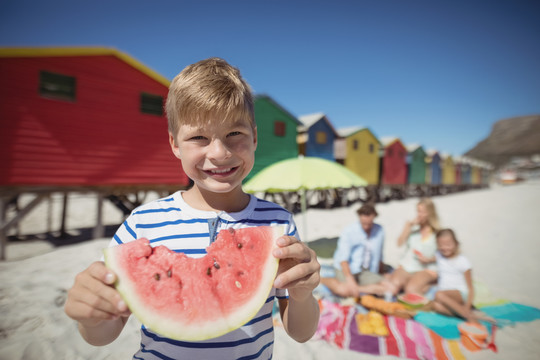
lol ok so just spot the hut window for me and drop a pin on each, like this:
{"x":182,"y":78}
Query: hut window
{"x":279,"y":128}
{"x":320,"y":137}
{"x":56,"y":86}
{"x":355,"y":145}
{"x":151,"y":104}
{"x":371,"y":148}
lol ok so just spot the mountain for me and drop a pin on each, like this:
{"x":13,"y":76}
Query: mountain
{"x":518,"y":136}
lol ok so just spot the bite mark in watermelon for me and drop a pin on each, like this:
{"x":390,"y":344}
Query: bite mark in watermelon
{"x":412,"y":301}
{"x":197,"y":299}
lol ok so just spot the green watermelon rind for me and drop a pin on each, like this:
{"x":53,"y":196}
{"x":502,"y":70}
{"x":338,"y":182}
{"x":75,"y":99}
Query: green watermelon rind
{"x":213,"y":329}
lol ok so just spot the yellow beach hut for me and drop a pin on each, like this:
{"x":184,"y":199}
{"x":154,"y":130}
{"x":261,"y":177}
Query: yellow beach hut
{"x":475,"y":171}
{"x":358,"y":149}
{"x":448,"y":169}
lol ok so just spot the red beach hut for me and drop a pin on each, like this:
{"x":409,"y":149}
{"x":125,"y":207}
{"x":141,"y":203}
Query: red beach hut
{"x":393,"y":162}
{"x":81,"y":120}
{"x":82,"y":117}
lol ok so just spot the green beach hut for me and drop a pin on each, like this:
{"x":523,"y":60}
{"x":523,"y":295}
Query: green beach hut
{"x":276,"y":131}
{"x":416,"y":164}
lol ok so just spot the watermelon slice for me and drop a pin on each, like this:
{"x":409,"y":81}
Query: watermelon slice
{"x":197,"y":299}
{"x":412,"y":301}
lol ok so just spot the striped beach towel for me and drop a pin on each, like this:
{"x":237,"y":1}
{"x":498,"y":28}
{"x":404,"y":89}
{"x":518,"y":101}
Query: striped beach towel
{"x":407,"y":339}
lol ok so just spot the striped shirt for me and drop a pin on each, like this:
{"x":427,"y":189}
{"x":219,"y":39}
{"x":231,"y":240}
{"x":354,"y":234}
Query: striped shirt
{"x":171,"y":222}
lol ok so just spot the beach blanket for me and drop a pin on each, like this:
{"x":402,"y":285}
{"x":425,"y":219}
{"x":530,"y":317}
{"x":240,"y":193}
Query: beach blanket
{"x":504,"y":313}
{"x":428,"y":336}
{"x":406,"y":338}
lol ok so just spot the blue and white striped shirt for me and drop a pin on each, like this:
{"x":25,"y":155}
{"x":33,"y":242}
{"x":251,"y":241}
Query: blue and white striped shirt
{"x":173,"y":223}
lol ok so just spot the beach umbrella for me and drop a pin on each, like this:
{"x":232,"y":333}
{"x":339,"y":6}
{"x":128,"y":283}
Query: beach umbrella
{"x":302,"y":174}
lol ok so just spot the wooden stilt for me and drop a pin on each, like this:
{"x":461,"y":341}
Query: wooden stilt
{"x":99,"y":230}
{"x":3,"y":230}
{"x":63,"y":221}
{"x":49,"y":213}
{"x":5,"y":225}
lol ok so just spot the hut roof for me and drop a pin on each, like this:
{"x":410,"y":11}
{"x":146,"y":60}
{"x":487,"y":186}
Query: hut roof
{"x":412,"y":147}
{"x":82,"y":51}
{"x":269,"y":99}
{"x":348,"y":131}
{"x":389,"y":140}
{"x":310,"y":119}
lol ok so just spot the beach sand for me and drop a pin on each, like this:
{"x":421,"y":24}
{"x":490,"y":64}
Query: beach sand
{"x":499,"y":229}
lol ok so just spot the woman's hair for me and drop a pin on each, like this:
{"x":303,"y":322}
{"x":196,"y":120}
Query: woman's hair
{"x":450,"y":232}
{"x":433,"y":218}
{"x":209,"y":90}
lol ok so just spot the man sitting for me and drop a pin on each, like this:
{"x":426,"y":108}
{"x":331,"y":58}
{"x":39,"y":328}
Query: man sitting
{"x":358,"y":257}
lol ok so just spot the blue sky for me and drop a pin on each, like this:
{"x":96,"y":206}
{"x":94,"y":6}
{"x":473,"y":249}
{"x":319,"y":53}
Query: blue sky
{"x":438,"y":73}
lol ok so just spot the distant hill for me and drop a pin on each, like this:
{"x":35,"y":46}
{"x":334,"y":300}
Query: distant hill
{"x":518,"y":136}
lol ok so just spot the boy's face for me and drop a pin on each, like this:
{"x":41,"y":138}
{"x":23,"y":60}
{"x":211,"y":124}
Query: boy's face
{"x":217,"y":157}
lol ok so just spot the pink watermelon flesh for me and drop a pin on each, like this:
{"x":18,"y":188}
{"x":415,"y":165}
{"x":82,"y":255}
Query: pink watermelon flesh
{"x":412,"y":300}
{"x":196,"y":299}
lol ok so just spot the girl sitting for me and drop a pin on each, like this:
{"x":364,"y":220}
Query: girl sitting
{"x":455,"y":290}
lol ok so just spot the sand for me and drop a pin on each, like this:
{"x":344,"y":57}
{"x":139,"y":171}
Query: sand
{"x":499,"y":229}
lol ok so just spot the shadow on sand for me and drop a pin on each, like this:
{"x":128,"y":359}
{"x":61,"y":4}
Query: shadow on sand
{"x":70,"y":237}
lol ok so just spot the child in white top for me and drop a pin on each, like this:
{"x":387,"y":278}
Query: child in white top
{"x":455,"y":291}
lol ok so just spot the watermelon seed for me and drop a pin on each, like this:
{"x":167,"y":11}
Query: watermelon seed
{"x":208,"y":272}
{"x":239,"y":245}
{"x":156,"y":276}
{"x":238,"y":285}
{"x":169,"y":273}
{"x":216,"y":265}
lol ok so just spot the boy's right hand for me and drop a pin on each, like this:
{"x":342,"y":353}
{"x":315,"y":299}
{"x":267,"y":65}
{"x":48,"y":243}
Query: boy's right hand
{"x":93,"y":298}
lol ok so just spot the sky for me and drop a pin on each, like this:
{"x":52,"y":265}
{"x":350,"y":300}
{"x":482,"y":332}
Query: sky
{"x":434,"y":73}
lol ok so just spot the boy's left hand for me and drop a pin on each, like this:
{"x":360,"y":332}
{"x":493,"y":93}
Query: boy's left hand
{"x":298,"y":270}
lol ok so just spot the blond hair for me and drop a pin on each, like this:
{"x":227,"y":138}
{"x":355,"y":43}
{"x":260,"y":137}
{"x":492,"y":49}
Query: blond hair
{"x":433,"y":218}
{"x":208,"y":90}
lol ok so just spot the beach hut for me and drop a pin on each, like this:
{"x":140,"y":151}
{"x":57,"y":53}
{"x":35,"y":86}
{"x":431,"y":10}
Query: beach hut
{"x":476,"y":169}
{"x":486,"y":173}
{"x":316,"y":136}
{"x":448,"y":169}
{"x":457,"y":166}
{"x":276,"y":132}
{"x":433,"y":162}
{"x":393,"y":158}
{"x":82,"y":119}
{"x":358,"y":149}
{"x":416,"y":164}
{"x":465,"y":170}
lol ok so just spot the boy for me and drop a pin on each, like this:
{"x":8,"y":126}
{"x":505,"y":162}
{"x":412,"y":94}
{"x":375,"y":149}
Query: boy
{"x":212,"y":131}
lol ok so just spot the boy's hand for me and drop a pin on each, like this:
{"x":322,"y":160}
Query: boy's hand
{"x":93,"y":299}
{"x":298,"y":270}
